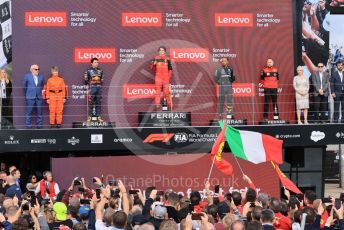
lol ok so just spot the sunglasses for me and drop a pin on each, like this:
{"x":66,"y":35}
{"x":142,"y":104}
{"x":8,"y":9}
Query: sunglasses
{"x":36,"y":69}
{"x":320,"y":66}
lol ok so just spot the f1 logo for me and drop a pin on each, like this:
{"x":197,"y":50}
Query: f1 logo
{"x":163,"y":137}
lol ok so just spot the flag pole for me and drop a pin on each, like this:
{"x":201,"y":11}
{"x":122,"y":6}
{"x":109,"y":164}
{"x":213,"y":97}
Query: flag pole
{"x":239,"y":165}
{"x":211,"y":169}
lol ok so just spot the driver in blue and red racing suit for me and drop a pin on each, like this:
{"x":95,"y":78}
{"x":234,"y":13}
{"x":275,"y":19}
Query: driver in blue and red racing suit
{"x":93,"y":78}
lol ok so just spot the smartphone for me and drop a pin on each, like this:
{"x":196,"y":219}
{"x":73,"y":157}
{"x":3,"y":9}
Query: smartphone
{"x":326,"y":200}
{"x":217,"y":189}
{"x":133,"y":192}
{"x":98,"y":193}
{"x":191,"y":208}
{"x":113,"y":183}
{"x":341,"y":197}
{"x":328,"y":209}
{"x":196,"y":216}
{"x":299,"y":197}
{"x":160,"y":193}
{"x":337,"y":203}
{"x":84,"y":201}
{"x":45,"y":201}
{"x":32,"y":200}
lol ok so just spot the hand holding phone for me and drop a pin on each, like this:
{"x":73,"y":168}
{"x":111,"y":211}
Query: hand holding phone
{"x":337,"y":203}
{"x":196,"y":216}
{"x":98,"y":193}
{"x":133,"y":192}
{"x":217,"y":189}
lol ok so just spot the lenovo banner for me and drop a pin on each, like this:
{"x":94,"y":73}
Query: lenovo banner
{"x":125,"y":37}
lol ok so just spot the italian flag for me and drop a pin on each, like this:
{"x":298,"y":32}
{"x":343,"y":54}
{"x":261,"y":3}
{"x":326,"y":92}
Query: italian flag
{"x":252,"y":146}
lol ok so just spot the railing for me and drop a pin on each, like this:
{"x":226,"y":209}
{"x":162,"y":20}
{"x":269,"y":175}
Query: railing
{"x":121,"y":106}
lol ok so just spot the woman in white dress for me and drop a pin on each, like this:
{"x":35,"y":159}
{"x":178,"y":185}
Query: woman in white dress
{"x":301,"y":87}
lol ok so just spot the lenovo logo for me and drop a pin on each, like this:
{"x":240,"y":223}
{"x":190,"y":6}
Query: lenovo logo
{"x":46,"y":19}
{"x":105,"y":55}
{"x":162,"y":137}
{"x":243,"y":90}
{"x":142,"y":19}
{"x":189,"y":54}
{"x":234,"y":20}
{"x":240,"y":90}
{"x":137,"y":91}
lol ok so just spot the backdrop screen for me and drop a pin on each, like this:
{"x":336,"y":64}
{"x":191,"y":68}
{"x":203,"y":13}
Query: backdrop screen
{"x":125,"y":36}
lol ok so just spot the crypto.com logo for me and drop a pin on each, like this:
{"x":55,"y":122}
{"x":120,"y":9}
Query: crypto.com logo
{"x":46,"y":19}
{"x":163,"y":137}
{"x":141,"y":19}
{"x":233,"y":20}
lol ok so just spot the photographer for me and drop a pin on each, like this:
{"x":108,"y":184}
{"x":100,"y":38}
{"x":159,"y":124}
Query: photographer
{"x":106,"y":217}
{"x":84,"y":191}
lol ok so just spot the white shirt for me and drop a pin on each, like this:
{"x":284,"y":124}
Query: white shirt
{"x":100,"y":225}
{"x":3,"y":89}
{"x":35,"y":78}
{"x":321,"y":75}
{"x":341,"y":77}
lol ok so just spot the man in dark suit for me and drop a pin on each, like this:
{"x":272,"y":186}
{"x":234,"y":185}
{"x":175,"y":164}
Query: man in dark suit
{"x":321,"y":84}
{"x":267,"y":219}
{"x":337,"y":90}
{"x":33,"y":85}
{"x":5,"y":95}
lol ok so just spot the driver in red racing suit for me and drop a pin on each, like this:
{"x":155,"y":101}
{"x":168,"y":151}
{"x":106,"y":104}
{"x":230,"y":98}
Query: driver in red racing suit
{"x":162,"y":67}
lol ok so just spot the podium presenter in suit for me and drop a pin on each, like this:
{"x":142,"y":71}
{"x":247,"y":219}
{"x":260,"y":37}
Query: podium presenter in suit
{"x":33,"y":85}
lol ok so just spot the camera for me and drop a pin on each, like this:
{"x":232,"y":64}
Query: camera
{"x":26,"y":207}
{"x":160,"y":193}
{"x":77,"y":181}
{"x":115,"y":193}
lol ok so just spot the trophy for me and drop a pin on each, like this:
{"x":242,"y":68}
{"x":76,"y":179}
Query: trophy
{"x":276,"y":113}
{"x":229,"y":113}
{"x":164,"y":105}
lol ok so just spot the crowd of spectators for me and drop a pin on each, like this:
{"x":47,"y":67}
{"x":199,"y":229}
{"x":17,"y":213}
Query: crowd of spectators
{"x":111,"y":206}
